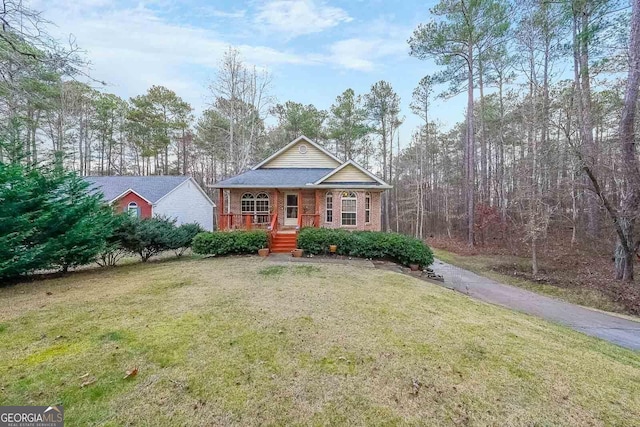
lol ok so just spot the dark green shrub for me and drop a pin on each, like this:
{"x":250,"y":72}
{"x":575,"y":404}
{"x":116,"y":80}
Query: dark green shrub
{"x":181,"y":238}
{"x":366,"y":244}
{"x":229,"y":242}
{"x":146,"y":237}
{"x":48,"y":220}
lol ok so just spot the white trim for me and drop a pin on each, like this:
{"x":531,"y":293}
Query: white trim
{"x":291,"y":144}
{"x":309,"y":186}
{"x":124,"y":193}
{"x":357,"y":166}
{"x":326,"y":196}
{"x":342,"y":224}
{"x":297,"y":206}
{"x":367,"y":194}
{"x":189,"y":179}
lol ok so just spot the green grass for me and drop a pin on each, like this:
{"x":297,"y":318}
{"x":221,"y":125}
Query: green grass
{"x":483,"y":265}
{"x":232,"y":342}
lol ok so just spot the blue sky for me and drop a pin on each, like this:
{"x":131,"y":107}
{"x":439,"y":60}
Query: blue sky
{"x":314,"y":49}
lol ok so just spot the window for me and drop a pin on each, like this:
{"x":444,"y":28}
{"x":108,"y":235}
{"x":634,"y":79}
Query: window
{"x":329,"y":208}
{"x":258,"y":206}
{"x":248,"y":203}
{"x":367,"y":207}
{"x":349,"y":205}
{"x":132,"y":209}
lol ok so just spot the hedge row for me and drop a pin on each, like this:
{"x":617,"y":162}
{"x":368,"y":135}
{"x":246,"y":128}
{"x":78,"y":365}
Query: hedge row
{"x":366,"y":244}
{"x":230,"y":242}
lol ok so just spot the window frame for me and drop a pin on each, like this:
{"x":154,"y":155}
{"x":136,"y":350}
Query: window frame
{"x":367,"y":208}
{"x":131,"y":206}
{"x":349,"y":196}
{"x":328,"y":211}
{"x":251,"y":202}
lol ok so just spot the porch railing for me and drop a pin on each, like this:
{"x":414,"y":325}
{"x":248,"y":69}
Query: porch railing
{"x":309,"y":220}
{"x":273,"y":230}
{"x":233,"y":221}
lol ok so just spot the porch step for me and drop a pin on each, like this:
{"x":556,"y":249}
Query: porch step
{"x":284,"y":242}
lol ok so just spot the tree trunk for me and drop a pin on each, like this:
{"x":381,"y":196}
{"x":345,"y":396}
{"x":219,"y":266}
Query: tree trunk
{"x":471,"y":154}
{"x":631,"y":167}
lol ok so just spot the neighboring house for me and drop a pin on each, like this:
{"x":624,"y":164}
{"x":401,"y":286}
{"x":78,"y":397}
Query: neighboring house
{"x":178,"y":197}
{"x":301,"y":185}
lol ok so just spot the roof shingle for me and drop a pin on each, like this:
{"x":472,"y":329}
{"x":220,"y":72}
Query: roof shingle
{"x":152,"y":188}
{"x":275,"y":178}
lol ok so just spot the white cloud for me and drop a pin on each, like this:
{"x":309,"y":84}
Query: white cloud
{"x":363,"y":54}
{"x":132,"y":49}
{"x":299,"y":17}
{"x":217,"y":13}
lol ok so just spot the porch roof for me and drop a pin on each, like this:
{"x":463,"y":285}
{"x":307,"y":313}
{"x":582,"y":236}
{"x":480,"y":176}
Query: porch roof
{"x":274,"y":178}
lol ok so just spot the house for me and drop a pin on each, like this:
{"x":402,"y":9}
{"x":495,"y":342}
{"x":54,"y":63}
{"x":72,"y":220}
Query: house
{"x":178,"y":197}
{"x":301,"y":185}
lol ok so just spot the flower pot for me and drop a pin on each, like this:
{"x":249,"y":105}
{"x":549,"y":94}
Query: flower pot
{"x":414,"y":267}
{"x":263,"y":252}
{"x":297,"y":253}
{"x":333,"y":248}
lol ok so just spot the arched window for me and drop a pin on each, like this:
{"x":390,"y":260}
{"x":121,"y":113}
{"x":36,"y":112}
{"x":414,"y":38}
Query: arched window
{"x":132,"y":209}
{"x":349,"y":208}
{"x":329,"y":207}
{"x":367,"y":207}
{"x":248,"y":203}
{"x":257,"y":205}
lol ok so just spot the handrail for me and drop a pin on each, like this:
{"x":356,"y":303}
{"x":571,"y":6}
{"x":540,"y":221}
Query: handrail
{"x":274,"y":222}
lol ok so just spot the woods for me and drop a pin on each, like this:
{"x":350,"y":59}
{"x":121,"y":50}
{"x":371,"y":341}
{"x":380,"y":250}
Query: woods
{"x":546,"y":147}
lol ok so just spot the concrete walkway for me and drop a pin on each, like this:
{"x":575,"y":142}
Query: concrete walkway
{"x":618,"y":330}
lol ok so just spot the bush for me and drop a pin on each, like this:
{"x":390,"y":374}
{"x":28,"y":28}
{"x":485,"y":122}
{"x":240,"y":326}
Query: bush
{"x":366,"y":244}
{"x":181,"y":238}
{"x":229,"y":242}
{"x":146,"y":237}
{"x":48,"y":220}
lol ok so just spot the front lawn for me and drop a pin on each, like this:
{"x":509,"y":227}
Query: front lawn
{"x":243,"y":341}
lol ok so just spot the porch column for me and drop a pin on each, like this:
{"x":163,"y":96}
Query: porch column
{"x":221,"y":225}
{"x":317,"y":212}
{"x":300,"y":208}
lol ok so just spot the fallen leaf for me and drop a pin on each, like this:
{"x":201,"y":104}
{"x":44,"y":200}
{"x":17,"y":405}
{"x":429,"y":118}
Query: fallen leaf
{"x":88,"y":382}
{"x":415,"y":386}
{"x":131,"y":373}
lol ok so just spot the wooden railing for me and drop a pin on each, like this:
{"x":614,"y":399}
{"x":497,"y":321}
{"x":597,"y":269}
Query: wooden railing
{"x":309,"y":220}
{"x":233,"y":221}
{"x":273,"y":230}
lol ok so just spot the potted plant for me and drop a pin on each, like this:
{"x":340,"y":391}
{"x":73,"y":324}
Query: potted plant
{"x":263,"y":252}
{"x":297,"y":253}
{"x":414,"y":267}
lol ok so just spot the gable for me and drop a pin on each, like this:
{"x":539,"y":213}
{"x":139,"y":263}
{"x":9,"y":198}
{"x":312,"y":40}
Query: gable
{"x":350,"y":173}
{"x":308,"y":157}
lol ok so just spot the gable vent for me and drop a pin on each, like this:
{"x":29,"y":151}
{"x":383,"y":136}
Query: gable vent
{"x":302,"y":149}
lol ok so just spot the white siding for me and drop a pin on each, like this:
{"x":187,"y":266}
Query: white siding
{"x":186,"y":204}
{"x":350,"y":173}
{"x":293,"y":158}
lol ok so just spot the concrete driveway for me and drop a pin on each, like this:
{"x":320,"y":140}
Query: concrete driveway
{"x":617,"y":330}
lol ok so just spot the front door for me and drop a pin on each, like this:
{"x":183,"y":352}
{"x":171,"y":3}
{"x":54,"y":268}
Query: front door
{"x":291,"y":209}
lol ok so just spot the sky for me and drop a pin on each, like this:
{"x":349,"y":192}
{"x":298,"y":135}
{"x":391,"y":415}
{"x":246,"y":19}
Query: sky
{"x":313,"y":49}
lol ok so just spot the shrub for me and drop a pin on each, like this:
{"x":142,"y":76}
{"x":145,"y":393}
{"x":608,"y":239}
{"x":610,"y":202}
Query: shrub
{"x":181,"y":238}
{"x":146,"y":237}
{"x":229,"y":242}
{"x":48,"y":220}
{"x":366,"y":244}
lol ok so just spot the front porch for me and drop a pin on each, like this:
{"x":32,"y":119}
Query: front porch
{"x":268,"y":209}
